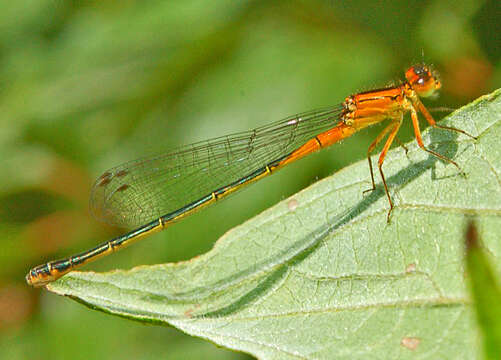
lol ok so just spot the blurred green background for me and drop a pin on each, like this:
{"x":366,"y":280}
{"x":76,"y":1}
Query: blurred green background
{"x":86,"y":85}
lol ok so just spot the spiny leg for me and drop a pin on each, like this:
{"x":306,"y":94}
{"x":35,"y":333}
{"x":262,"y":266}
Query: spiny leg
{"x":419,"y":139}
{"x":395,"y":126}
{"x":372,"y":146}
{"x":400,"y":143}
{"x":433,"y":123}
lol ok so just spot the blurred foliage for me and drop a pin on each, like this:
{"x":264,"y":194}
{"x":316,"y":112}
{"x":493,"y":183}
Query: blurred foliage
{"x":485,"y":292}
{"x":85,"y":85}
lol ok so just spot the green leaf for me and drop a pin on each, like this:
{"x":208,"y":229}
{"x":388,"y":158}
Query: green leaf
{"x":322,"y":274}
{"x":486,"y":293}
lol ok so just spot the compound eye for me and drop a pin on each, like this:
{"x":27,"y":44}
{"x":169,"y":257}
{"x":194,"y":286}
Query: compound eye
{"x":419,"y":69}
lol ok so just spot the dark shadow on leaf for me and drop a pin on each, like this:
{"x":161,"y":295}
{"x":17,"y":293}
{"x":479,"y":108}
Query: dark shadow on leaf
{"x":274,"y":269}
{"x":303,"y":248}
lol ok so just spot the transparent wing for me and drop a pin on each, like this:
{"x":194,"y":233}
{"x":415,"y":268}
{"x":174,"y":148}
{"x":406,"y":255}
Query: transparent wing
{"x":137,"y":192}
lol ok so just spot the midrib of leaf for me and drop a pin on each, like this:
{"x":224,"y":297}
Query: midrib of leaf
{"x":331,"y":278}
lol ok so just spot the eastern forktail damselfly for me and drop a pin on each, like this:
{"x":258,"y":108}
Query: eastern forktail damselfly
{"x":152,"y":193}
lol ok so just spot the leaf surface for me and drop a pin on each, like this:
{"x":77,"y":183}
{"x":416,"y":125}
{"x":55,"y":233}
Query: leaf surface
{"x":322,"y":274}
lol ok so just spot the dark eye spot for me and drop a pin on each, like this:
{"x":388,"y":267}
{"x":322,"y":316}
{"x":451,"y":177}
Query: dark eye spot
{"x":121,"y":173}
{"x":104,"y":179}
{"x":123,"y":187}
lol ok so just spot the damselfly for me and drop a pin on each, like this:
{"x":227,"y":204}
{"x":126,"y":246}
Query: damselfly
{"x":152,"y":193}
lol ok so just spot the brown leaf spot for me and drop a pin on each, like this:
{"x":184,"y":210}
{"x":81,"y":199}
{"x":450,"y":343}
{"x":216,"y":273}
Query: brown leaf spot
{"x":410,"y":343}
{"x":410,"y":268}
{"x":292,"y":204}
